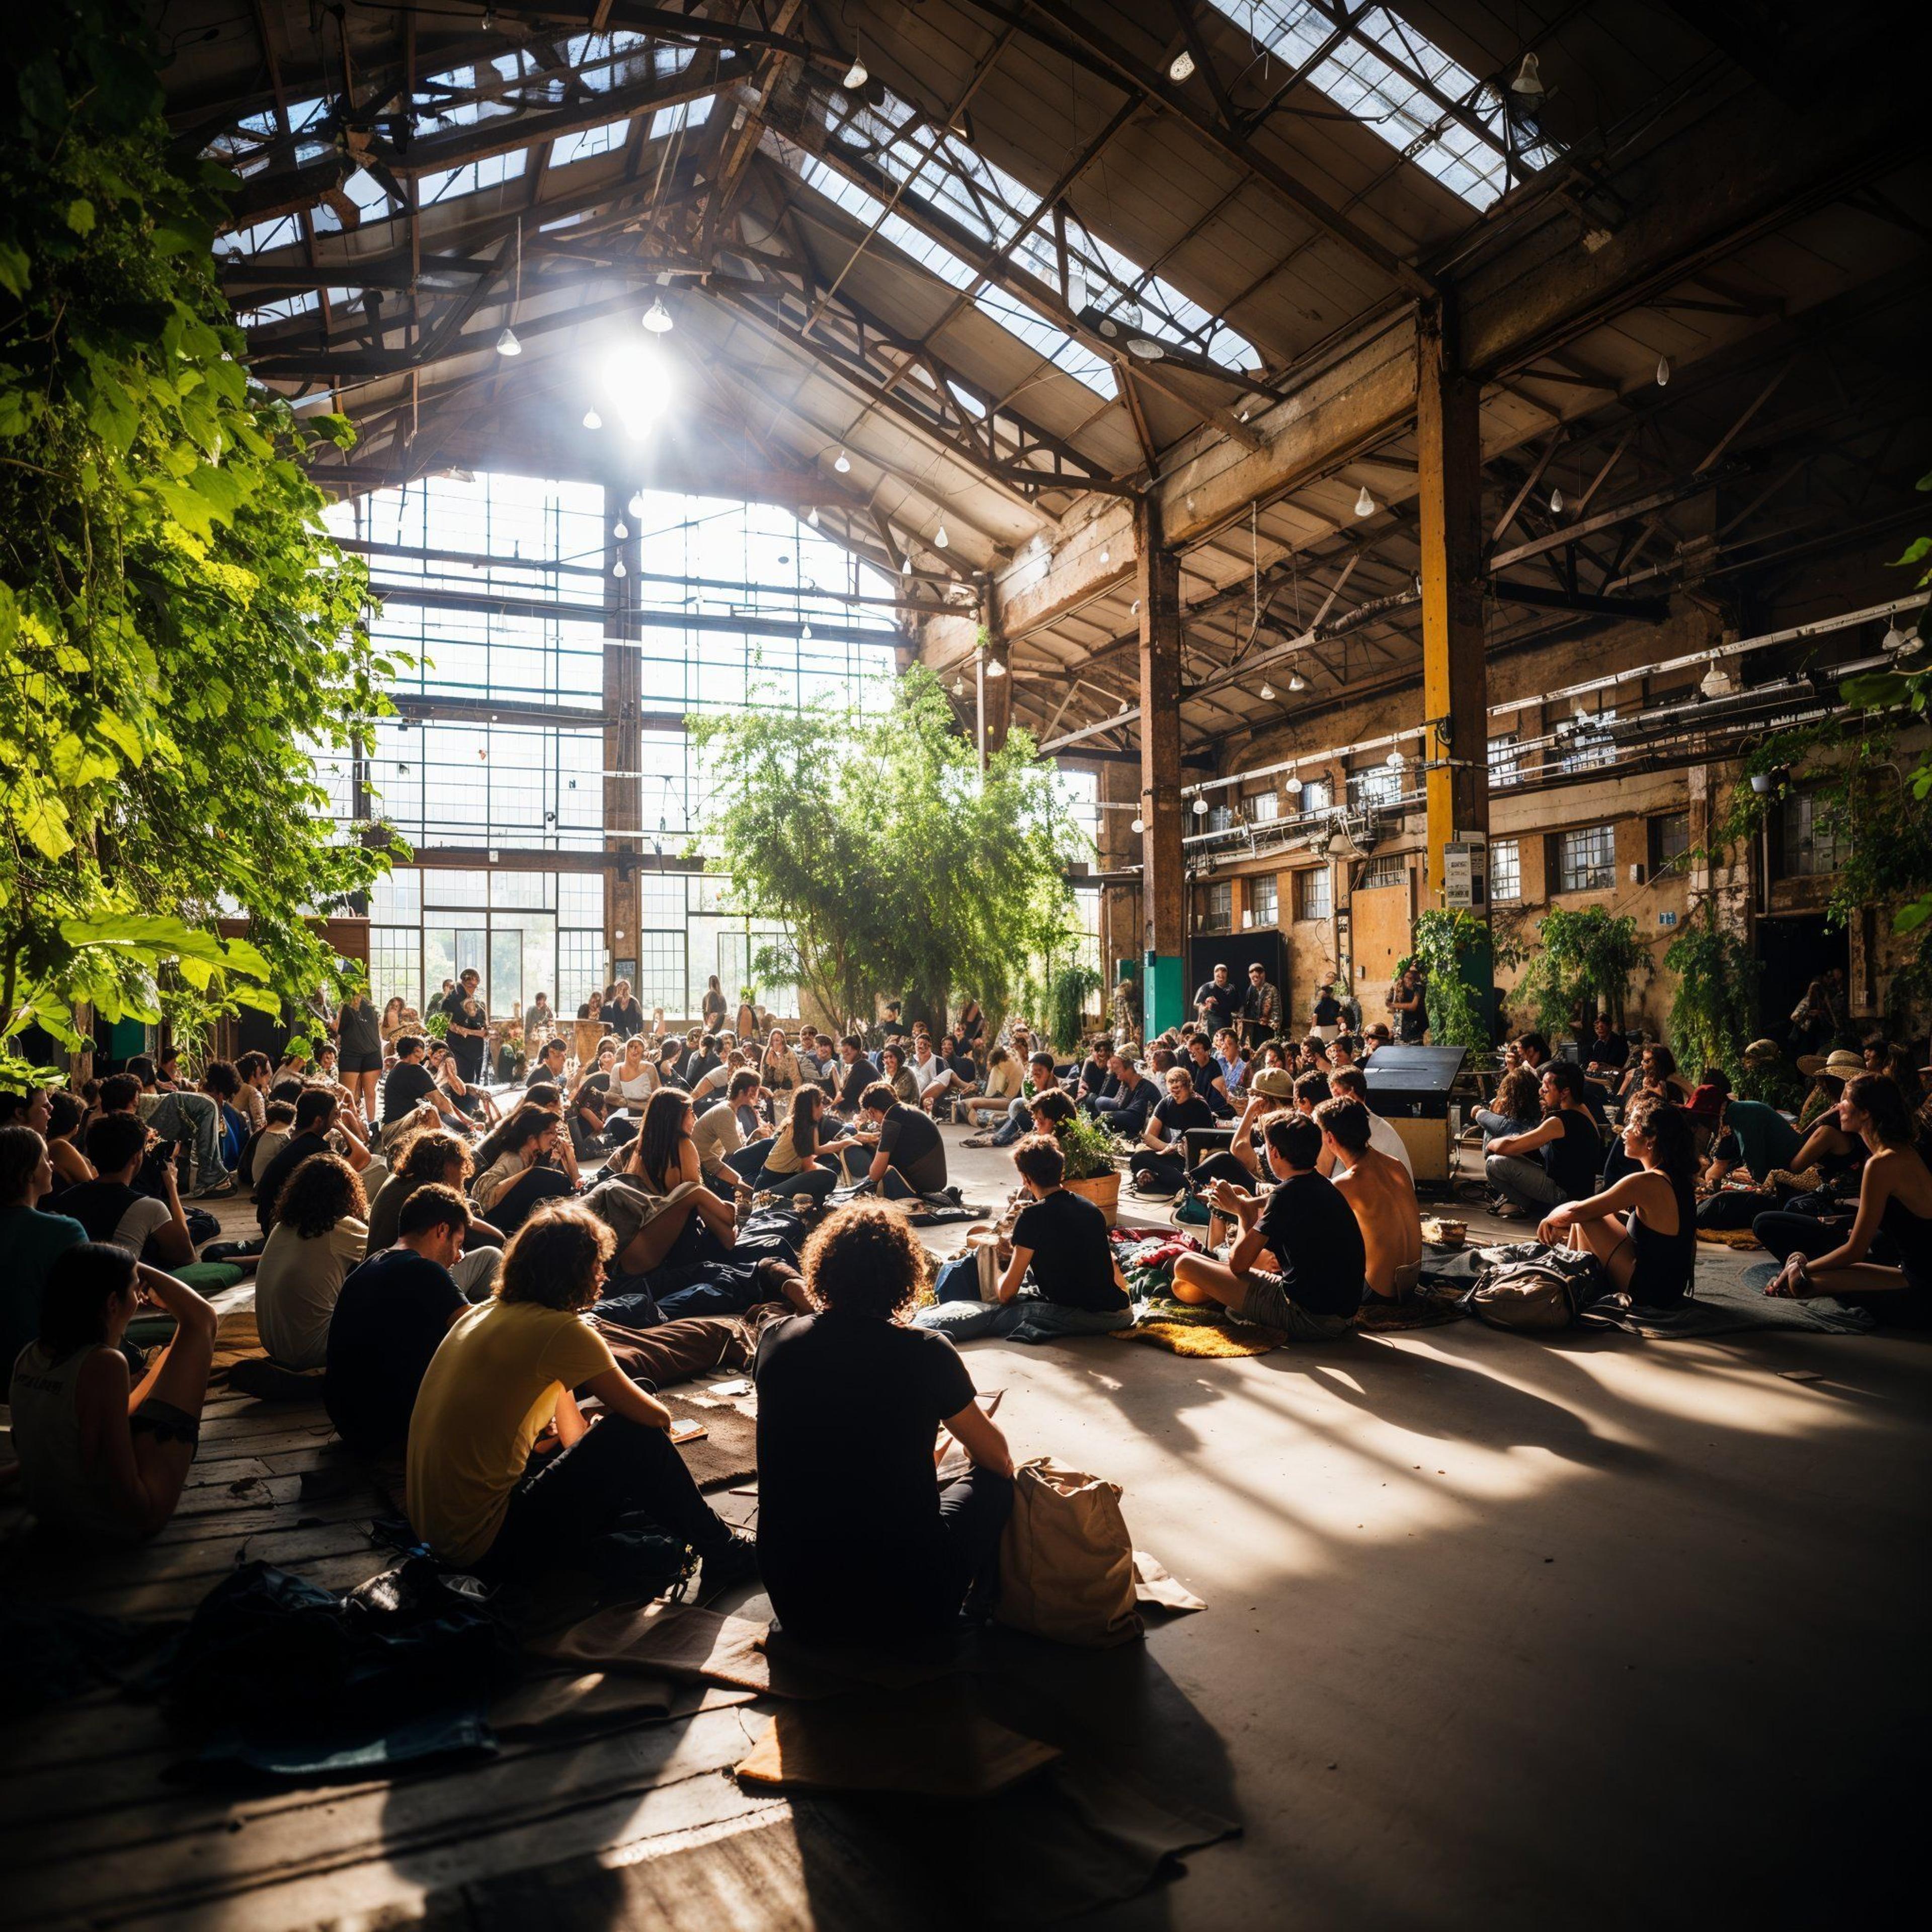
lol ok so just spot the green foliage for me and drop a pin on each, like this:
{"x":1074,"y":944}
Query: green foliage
{"x":176,"y":627}
{"x":1714,"y":1017}
{"x":1068,"y":992}
{"x":892,"y":864}
{"x":1088,"y":1146}
{"x":1585,"y":958}
{"x":1442,"y":943}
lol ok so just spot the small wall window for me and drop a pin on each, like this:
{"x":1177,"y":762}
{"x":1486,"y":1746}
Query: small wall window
{"x":1586,"y":860}
{"x":1313,"y":897}
{"x":1811,"y":846}
{"x":1377,"y":785}
{"x":1505,"y":761}
{"x":1505,"y":869}
{"x":1670,"y":842}
{"x":1317,"y":795}
{"x":1262,"y":901}
{"x":1264,"y":806}
{"x":1221,"y":906}
{"x":1390,"y":869}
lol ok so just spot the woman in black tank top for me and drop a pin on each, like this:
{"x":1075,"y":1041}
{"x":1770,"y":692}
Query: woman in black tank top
{"x":1643,"y":1229}
{"x":1895,"y":1195}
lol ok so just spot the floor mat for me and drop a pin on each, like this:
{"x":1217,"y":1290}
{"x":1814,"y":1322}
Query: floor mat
{"x":1724,"y":1307}
{"x":1391,"y":1317}
{"x":935,"y":1741}
{"x":1204,"y":1340}
{"x":1728,"y":1238}
{"x":728,"y":1451}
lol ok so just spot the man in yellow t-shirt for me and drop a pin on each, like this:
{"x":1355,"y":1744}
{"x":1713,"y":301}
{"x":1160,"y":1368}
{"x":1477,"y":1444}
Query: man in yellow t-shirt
{"x":487,"y":1488}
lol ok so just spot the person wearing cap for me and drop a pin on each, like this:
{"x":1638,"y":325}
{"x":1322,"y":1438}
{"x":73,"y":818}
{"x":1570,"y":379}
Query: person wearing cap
{"x":1216,"y":1000}
{"x":1260,"y":1009}
{"x":1243,"y":1162}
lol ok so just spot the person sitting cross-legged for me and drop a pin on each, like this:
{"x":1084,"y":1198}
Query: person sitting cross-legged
{"x":1126,"y":1106}
{"x":1378,"y":1187}
{"x":321,"y":1232}
{"x":506,"y":1476}
{"x":1568,"y":1152}
{"x":104,"y":1457}
{"x":858,"y":1541}
{"x":1062,"y":1277}
{"x":898,"y":1151}
{"x":800,"y":1159}
{"x":1159,"y":1165}
{"x":1305,"y":1224}
{"x":434,"y":1158}
{"x":1041,"y":1078}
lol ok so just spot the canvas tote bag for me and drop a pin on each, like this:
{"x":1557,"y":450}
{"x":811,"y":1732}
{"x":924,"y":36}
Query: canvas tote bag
{"x":1066,"y":1563}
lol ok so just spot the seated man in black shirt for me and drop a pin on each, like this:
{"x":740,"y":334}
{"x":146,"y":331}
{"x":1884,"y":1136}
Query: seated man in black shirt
{"x":1159,"y":1165}
{"x":1608,"y":1052}
{"x":1309,"y":1229}
{"x":899,"y":1151}
{"x":315,"y":1115}
{"x":1076,"y":1286}
{"x":389,"y":1318}
{"x":858,"y":1542}
{"x":1126,"y":1106}
{"x":409,"y":1089}
{"x":1556,"y":1160}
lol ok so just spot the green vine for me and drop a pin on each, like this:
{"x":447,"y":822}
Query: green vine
{"x":1585,"y":960}
{"x":1442,"y":945}
{"x":1714,"y":1016}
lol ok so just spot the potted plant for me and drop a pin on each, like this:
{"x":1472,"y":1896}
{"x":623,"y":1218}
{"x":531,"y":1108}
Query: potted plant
{"x":1093,"y":1171}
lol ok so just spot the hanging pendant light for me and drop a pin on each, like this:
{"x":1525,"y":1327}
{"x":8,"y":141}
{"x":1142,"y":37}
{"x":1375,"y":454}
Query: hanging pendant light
{"x":1267,"y":692}
{"x":1201,"y":808}
{"x":1106,"y":555}
{"x":842,"y":463}
{"x":592,"y":420}
{"x":856,"y":76}
{"x":939,"y":539}
{"x":1296,"y":682}
{"x":1394,"y":760}
{"x":804,"y":634}
{"x":507,"y":343}
{"x":1291,"y":785}
{"x":1527,"y":85}
{"x":617,"y":569}
{"x":620,"y":531}
{"x":1663,"y":370}
{"x":636,"y":505}
{"x":1896,"y":640}
{"x":1181,"y":67}
{"x":812,"y":516}
{"x":1556,"y":503}
{"x":959,"y":687}
{"x":1139,"y":824}
{"x":1365,"y":504}
{"x":657,"y":318}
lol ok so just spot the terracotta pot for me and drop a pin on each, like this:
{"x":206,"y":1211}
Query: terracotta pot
{"x":1103,"y":1190}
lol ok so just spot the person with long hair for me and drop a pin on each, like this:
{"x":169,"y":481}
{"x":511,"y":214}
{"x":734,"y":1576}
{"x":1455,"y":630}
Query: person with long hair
{"x":858,"y":1541}
{"x":102,"y":1455}
{"x":745,"y":1025}
{"x":898,"y":1075}
{"x":1894,"y":1217}
{"x":321,"y":1232}
{"x":1515,"y":1109}
{"x":713,"y":1008}
{"x":680,"y":1246}
{"x":1642,"y":1229}
{"x":507,"y":1376}
{"x":435,"y":1158}
{"x":796,"y":1163}
{"x":634,"y":1079}
{"x":528,"y":1159}
{"x":70,"y":1166}
{"x":778,"y":1067}
{"x":391,"y":1024}
{"x":358,"y":1029}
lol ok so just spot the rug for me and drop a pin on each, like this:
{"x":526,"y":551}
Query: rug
{"x":1391,"y":1317}
{"x":1721,"y":1307}
{"x":1204,"y":1340}
{"x":1728,"y":1238}
{"x":728,"y":1451}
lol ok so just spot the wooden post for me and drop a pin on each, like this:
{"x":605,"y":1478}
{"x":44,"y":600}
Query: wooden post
{"x":623,"y":737}
{"x":996,"y":710}
{"x":1163,"y":882}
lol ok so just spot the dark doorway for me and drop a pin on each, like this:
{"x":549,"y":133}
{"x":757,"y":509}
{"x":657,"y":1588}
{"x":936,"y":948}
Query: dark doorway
{"x":1792,"y":952}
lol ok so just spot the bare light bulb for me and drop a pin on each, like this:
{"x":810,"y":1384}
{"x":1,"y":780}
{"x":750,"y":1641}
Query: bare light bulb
{"x":1201,"y":808}
{"x":1365,"y":504}
{"x":959,"y":687}
{"x":939,"y":539}
{"x":905,"y":564}
{"x":804,"y":634}
{"x":1291,"y":785}
{"x":842,"y":463}
{"x":1556,"y":503}
{"x":657,"y":318}
{"x":617,"y":569}
{"x":507,"y":343}
{"x":856,"y":76}
{"x":996,"y":669}
{"x":592,"y":420}
{"x":636,"y":505}
{"x":1181,"y":67}
{"x":620,"y":531}
{"x":1139,"y":824}
{"x":812,"y":516}
{"x":1394,"y":760}
{"x":1663,"y":370}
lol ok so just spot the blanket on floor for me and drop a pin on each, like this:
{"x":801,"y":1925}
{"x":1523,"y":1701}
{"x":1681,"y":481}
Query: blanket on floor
{"x":1723,"y":1306}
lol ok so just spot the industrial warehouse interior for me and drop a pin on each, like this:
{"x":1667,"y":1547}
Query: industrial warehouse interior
{"x":737,"y":728}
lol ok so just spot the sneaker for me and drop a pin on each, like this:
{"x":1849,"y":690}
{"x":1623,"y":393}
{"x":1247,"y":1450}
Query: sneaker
{"x":217,"y":1190}
{"x":737,"y":1562}
{"x":977,"y":1140}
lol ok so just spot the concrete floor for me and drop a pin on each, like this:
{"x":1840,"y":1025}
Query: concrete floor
{"x":1588,"y":1631}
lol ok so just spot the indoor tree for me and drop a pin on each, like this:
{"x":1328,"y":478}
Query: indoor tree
{"x":178,"y":632}
{"x":1584,"y":960}
{"x":894,"y":864}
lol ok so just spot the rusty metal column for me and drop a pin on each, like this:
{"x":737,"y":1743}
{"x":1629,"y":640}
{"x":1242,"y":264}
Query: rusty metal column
{"x":1455,"y":675}
{"x":1163,"y":882}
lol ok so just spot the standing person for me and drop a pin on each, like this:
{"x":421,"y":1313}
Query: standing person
{"x":1261,"y":1006}
{"x":858,"y":1542}
{"x":1126,"y":1010}
{"x":321,"y":1232}
{"x":1565,"y":1140}
{"x":358,"y":1047}
{"x":970,"y":1024}
{"x":1408,"y":1001}
{"x":104,"y":1457}
{"x":1216,"y":999}
{"x":623,"y":1015}
{"x":505,"y":1375}
{"x":714,"y":1008}
{"x":1643,"y":1228}
{"x":1311,"y":1232}
{"x":1325,"y":1014}
{"x":745,"y":1026}
{"x":1061,"y":1276}
{"x":469,"y":1033}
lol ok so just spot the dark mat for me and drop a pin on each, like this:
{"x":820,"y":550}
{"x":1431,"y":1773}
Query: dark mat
{"x":728,"y":1452}
{"x":1725,"y":1306}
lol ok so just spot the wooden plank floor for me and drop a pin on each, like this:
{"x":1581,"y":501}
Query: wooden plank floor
{"x":94,"y":1832}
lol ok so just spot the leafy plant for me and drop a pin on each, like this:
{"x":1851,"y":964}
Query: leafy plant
{"x":1089,"y":1148}
{"x":1443,"y":943}
{"x":895,"y":866}
{"x":1068,"y":991}
{"x":1714,"y":1017}
{"x":178,"y":631}
{"x":1584,"y":960}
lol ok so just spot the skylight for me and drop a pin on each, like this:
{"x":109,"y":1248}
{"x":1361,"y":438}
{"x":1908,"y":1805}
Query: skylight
{"x":682,"y":114}
{"x":471,"y":177}
{"x":586,"y":143}
{"x":1395,"y":80}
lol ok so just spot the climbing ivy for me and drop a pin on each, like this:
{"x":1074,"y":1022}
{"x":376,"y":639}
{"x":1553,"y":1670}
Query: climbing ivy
{"x":178,"y":631}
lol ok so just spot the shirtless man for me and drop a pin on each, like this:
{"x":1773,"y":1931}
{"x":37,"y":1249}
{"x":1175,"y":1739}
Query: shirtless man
{"x":1381,"y":1194}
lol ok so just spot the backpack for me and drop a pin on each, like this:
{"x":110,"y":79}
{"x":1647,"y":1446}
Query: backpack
{"x":1528,"y":1286}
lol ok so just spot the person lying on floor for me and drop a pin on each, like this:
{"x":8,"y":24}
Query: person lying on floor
{"x":1643,"y":1227}
{"x":392,"y":1313}
{"x":1895,"y":1210}
{"x":526,"y":1161}
{"x":505,"y":1476}
{"x":112,"y":1210}
{"x":1304,"y":1224}
{"x":321,"y":1232}
{"x":435,"y":1159}
{"x":104,"y":1457}
{"x":1382,"y":1194}
{"x":1061,"y":1277}
{"x":1160,"y":1165}
{"x":898,"y":1150}
{"x":857,"y":1541}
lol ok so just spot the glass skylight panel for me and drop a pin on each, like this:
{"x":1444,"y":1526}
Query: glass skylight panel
{"x":286,"y":310}
{"x":1395,"y":80}
{"x":586,"y":143}
{"x":471,"y":177}
{"x":282,"y":232}
{"x":683,"y":114}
